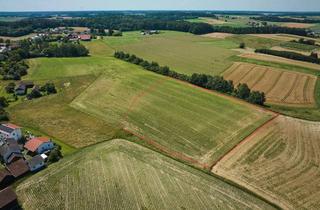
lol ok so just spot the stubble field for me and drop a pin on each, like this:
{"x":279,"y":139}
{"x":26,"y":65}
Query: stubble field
{"x":280,"y":161}
{"x":281,"y":87}
{"x":122,"y":175}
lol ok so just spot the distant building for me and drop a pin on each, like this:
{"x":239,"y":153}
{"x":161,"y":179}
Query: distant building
{"x":8,"y":199}
{"x":85,"y":37}
{"x":39,"y":145}
{"x":36,"y":163}
{"x":10,"y":131}
{"x":18,"y":168}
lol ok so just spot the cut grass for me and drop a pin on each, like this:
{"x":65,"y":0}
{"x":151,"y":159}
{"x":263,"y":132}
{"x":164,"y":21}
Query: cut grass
{"x":253,"y":41}
{"x":278,"y":162}
{"x":174,"y":115}
{"x":183,"y":52}
{"x":52,"y":115}
{"x":122,"y":175}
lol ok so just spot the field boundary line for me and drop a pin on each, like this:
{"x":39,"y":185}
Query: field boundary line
{"x":268,"y":122}
{"x":305,"y":90}
{"x":275,"y":82}
{"x":260,"y":78}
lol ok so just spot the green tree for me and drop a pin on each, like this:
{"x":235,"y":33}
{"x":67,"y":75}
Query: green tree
{"x":10,"y":87}
{"x":3,"y":102}
{"x":257,"y":97}
{"x":243,"y":91}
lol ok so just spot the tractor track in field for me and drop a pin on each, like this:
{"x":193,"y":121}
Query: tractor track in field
{"x":261,"y":127}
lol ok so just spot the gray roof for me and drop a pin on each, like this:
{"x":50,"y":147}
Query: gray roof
{"x":36,"y":160}
{"x":6,"y":129}
{"x":5,"y":149}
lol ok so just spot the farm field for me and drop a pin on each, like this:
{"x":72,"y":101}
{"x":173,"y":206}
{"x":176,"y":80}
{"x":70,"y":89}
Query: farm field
{"x":276,"y":59}
{"x":170,"y":113}
{"x":280,"y":161}
{"x":282,"y":87}
{"x":183,"y":52}
{"x":122,"y":175}
{"x":17,"y":38}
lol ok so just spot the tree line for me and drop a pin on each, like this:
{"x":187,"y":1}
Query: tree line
{"x":272,"y":18}
{"x":313,"y":58}
{"x":124,"y":22}
{"x":217,"y":83}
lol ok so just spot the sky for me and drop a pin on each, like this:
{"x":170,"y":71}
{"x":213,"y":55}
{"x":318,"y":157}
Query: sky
{"x":77,"y":5}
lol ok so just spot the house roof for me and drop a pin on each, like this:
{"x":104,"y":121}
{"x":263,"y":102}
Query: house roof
{"x":13,"y":126}
{"x":6,"y":129}
{"x":3,"y":174}
{"x":33,"y":144}
{"x":11,"y":148}
{"x":36,"y":160}
{"x":85,"y":36}
{"x":21,"y":87}
{"x":7,"y":196}
{"x":14,"y":155}
{"x":18,"y":168}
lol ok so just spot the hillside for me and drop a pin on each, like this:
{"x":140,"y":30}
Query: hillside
{"x":122,"y":175}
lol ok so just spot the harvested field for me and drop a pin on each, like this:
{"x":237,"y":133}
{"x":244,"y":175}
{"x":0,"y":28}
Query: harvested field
{"x":218,"y":35}
{"x":280,"y":161}
{"x":271,"y":58}
{"x":175,"y":116}
{"x":280,"y":86}
{"x":297,"y":25}
{"x":122,"y":175}
{"x":80,"y":29}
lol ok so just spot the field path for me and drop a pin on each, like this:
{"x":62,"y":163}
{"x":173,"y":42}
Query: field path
{"x":250,"y":136}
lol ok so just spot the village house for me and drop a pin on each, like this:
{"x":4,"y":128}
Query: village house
{"x":18,"y":168}
{"x":8,"y":199}
{"x":85,"y":37}
{"x":10,"y":131}
{"x":36,"y":163}
{"x":6,"y":178}
{"x":39,"y":145}
{"x":21,"y":89}
{"x":10,"y":153}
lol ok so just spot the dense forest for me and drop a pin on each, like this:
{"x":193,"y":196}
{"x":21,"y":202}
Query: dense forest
{"x":313,"y":58}
{"x":272,"y":18}
{"x":217,"y":83}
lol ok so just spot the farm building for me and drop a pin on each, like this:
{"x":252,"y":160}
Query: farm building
{"x":39,"y":145}
{"x":10,"y":131}
{"x":8,"y":199}
{"x":21,"y":89}
{"x":18,"y":168}
{"x":10,"y":153}
{"x":36,"y":163}
{"x":85,"y":37}
{"x":5,"y":178}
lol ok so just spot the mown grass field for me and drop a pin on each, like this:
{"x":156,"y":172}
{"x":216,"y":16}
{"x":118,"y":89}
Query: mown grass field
{"x":280,"y":87}
{"x":280,"y":161}
{"x":173,"y":114}
{"x":122,"y":175}
{"x":183,"y":52}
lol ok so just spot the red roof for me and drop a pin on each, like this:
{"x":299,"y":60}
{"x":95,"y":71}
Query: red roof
{"x":13,"y":126}
{"x":85,"y":36}
{"x":33,"y":144}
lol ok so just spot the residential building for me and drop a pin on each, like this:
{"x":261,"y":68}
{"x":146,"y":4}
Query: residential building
{"x":8,"y":199}
{"x":39,"y":145}
{"x":21,"y":89}
{"x":18,"y":168}
{"x":36,"y":163}
{"x":10,"y":153}
{"x":10,"y":131}
{"x":85,"y":37}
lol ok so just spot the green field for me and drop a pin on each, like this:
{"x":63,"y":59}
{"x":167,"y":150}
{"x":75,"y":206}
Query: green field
{"x":183,"y":52}
{"x":253,"y":41}
{"x":175,"y":115}
{"x":123,"y":175}
{"x":232,"y":21}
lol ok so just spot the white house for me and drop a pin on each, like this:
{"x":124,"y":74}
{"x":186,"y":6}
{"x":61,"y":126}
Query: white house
{"x":39,"y":145}
{"x":10,"y":131}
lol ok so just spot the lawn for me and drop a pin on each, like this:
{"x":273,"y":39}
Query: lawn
{"x":122,"y":175}
{"x":183,"y":52}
